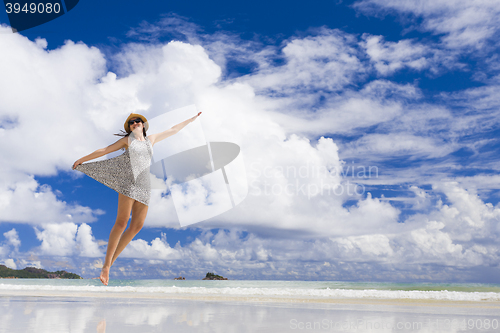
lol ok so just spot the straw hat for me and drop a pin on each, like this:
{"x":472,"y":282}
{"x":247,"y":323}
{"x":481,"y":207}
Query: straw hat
{"x":135,"y":115}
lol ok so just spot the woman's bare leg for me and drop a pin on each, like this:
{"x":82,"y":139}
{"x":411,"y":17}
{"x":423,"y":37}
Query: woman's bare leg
{"x":123,"y":214}
{"x":139,"y":212}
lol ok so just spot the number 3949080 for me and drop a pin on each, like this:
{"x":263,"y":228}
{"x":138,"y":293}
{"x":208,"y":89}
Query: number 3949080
{"x":33,"y":8}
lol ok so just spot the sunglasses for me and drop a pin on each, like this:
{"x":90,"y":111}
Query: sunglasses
{"x":131,"y":122}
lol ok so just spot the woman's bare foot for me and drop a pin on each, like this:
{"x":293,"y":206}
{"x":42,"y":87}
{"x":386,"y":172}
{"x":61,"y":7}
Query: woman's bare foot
{"x":104,"y":275}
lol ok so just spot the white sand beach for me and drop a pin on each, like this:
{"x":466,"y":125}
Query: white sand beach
{"x":88,"y":311}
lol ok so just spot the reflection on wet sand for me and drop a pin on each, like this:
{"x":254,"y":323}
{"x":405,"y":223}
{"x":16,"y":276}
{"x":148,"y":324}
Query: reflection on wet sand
{"x":101,"y":327}
{"x":44,"y":314}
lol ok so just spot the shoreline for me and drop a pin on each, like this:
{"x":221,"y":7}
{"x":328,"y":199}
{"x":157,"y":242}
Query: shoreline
{"x":489,"y":304}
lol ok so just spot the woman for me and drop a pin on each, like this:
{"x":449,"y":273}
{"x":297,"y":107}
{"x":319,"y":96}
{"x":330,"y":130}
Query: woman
{"x":128,"y":174}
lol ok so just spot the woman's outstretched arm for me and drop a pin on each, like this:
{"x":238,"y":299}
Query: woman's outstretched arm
{"x":122,"y":143}
{"x":154,"y":138}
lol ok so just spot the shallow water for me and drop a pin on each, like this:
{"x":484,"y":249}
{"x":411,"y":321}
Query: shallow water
{"x":293,"y":289}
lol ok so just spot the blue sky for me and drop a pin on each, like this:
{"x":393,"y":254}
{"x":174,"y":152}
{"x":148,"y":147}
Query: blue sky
{"x":407,"y":90}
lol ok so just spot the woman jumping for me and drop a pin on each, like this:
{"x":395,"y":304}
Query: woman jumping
{"x":128,"y":174}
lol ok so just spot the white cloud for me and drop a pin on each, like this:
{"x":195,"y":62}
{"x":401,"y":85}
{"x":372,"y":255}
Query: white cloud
{"x":468,"y":217}
{"x":10,"y":263}
{"x":327,"y":61}
{"x":461,"y":23}
{"x":354,"y":112}
{"x":379,"y":146}
{"x":159,"y":249}
{"x":27,"y":201}
{"x":30,"y":263}
{"x":4,"y":250}
{"x":171,"y":24}
{"x":482,"y":185}
{"x":484,"y":99}
{"x":12,"y":238}
{"x":10,"y":247}
{"x":159,"y":77}
{"x":88,"y":247}
{"x":389,"y":57}
{"x":435,"y":243}
{"x":57,"y":239}
{"x":54,"y":81}
{"x":373,"y":247}
{"x":222,"y":46}
{"x":67,"y":239}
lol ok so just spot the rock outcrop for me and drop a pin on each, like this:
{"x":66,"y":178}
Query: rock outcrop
{"x":212,"y":276}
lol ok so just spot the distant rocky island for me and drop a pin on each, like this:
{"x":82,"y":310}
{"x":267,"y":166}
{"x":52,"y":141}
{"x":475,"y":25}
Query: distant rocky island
{"x":212,"y":276}
{"x":209,"y":276}
{"x":34,"y":273}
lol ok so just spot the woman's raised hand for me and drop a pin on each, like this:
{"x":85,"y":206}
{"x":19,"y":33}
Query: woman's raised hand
{"x":77,"y":163}
{"x":194,"y":118}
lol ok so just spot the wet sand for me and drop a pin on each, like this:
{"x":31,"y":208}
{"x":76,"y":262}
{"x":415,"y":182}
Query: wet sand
{"x":58,"y":311}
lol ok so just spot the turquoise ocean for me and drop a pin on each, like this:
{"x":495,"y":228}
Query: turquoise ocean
{"x":267,"y":288}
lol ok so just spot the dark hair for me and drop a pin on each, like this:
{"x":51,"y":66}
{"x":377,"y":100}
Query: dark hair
{"x":124,"y":134}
